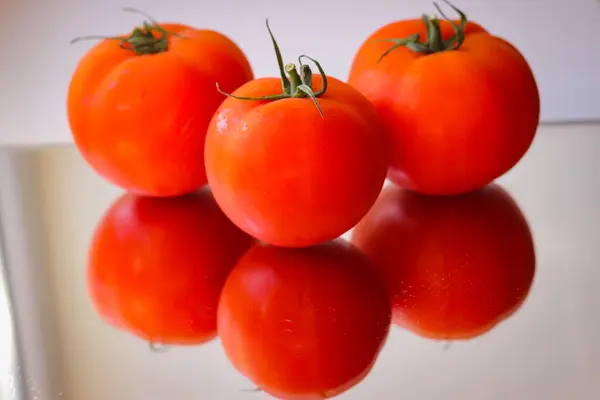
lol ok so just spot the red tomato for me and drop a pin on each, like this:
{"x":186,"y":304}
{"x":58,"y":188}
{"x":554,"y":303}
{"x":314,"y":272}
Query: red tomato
{"x":455,"y":266}
{"x":287,"y":174}
{"x":157,"y":266}
{"x":138,"y":107}
{"x":461,"y":105}
{"x":304,"y":323}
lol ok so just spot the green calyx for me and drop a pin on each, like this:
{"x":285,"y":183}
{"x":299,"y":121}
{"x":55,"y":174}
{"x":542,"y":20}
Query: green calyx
{"x":434,"y":43}
{"x":141,"y":41}
{"x":294,"y":85}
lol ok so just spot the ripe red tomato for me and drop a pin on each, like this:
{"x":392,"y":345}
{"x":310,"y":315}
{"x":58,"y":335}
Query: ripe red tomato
{"x":287,"y":174}
{"x":157,"y":266}
{"x":461,"y":105}
{"x":304,"y":323}
{"x":455,"y":266}
{"x":138,"y":109}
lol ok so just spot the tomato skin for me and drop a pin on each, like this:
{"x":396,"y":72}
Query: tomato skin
{"x":140,"y":120}
{"x":156,"y":266}
{"x":455,"y":266}
{"x":277,"y":167}
{"x":304,"y":323}
{"x":456,"y":120}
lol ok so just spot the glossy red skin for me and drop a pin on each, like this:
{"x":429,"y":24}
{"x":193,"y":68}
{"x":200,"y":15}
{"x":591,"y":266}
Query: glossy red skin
{"x":304,"y":323}
{"x":456,"y":120}
{"x":156,"y":267}
{"x":289,"y":177}
{"x":455,"y":266}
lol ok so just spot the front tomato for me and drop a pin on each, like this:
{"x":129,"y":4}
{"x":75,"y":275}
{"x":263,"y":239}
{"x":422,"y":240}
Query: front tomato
{"x":298,"y":168}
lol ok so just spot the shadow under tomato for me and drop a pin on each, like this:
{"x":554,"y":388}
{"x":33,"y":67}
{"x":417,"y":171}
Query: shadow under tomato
{"x":455,"y":266}
{"x":304,"y":323}
{"x":156,"y":266}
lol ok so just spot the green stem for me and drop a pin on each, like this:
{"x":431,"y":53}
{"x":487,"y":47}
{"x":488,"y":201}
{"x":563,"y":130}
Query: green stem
{"x":141,"y":41}
{"x":434,"y":35}
{"x":294,"y":85}
{"x":285,"y":84}
{"x":295,"y":79}
{"x":306,"y":73}
{"x":434,"y":42}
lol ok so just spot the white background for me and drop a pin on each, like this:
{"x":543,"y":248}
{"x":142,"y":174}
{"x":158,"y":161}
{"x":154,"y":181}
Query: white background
{"x":559,"y":38}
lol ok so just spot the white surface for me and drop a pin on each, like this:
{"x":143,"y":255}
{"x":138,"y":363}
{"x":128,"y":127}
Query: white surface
{"x":559,"y":38}
{"x":33,"y":369}
{"x":548,"y":350}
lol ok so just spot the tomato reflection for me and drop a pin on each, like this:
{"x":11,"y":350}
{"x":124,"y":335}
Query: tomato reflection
{"x":304,"y":323}
{"x":455,"y":266}
{"x":157,"y":266}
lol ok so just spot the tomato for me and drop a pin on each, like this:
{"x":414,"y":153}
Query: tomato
{"x":455,"y":266}
{"x":459,"y":113}
{"x":291,"y":171}
{"x":304,"y":323}
{"x":138,"y":114}
{"x":156,"y":266}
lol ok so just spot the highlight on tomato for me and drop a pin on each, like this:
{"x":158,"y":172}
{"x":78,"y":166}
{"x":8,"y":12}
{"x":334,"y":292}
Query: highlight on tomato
{"x":139,"y":104}
{"x":156,"y":266}
{"x":460,"y":105}
{"x":455,"y":266}
{"x":297,"y":160}
{"x":304,"y":323}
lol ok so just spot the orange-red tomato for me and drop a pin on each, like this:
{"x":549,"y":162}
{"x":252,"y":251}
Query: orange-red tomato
{"x":157,"y":266}
{"x":139,"y":117}
{"x":288,"y":175}
{"x":304,"y":323}
{"x":457,"y":118}
{"x":455,"y":266}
